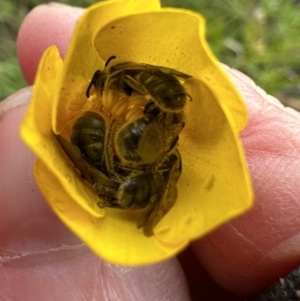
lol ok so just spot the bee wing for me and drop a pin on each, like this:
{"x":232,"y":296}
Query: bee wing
{"x":142,"y":67}
{"x":101,"y":178}
{"x":157,"y":140}
{"x":88,"y":172}
{"x":165,"y":201}
{"x":160,"y":209}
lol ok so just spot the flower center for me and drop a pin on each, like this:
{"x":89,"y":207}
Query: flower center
{"x":118,"y":106}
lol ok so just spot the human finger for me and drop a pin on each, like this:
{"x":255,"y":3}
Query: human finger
{"x":40,"y":257}
{"x":258,"y":129}
{"x":46,"y":25}
{"x":253,"y":251}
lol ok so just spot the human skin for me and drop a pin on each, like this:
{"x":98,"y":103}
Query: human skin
{"x":41,"y":257}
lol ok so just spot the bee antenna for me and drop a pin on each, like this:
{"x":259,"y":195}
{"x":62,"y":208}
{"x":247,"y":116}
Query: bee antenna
{"x":110,"y":59}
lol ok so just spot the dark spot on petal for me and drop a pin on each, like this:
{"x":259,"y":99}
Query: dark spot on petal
{"x":210,"y":183}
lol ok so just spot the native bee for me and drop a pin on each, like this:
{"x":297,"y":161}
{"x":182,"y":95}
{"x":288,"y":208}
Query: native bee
{"x":132,"y":164}
{"x":160,"y":84}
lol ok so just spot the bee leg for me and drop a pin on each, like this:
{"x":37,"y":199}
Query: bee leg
{"x":109,"y":164}
{"x":149,"y":208}
{"x":94,"y":79}
{"x":74,"y":153}
{"x":160,"y":209}
{"x":165,"y":200}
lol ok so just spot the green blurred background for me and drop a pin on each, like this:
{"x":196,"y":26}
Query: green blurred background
{"x":259,"y":37}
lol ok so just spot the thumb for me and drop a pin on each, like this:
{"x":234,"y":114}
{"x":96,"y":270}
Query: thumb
{"x":40,"y":257}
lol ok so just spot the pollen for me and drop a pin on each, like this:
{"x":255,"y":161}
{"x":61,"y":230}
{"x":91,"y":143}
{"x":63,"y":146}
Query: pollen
{"x":119,"y":106}
{"x":108,"y":99}
{"x":134,"y":113}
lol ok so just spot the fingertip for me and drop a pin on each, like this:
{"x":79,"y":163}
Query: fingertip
{"x":27,"y":224}
{"x":45,"y":25}
{"x":256,"y":249}
{"x":16,"y":175}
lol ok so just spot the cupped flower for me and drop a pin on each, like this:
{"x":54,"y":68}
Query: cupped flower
{"x":214,"y":186}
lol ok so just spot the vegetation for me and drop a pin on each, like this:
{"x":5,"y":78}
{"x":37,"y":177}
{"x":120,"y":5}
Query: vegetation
{"x":260,"y":38}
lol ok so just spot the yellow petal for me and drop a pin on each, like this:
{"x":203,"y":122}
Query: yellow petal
{"x":112,"y":237}
{"x":176,"y":39}
{"x":82,"y":59}
{"x":36,"y":131}
{"x":214,"y":185}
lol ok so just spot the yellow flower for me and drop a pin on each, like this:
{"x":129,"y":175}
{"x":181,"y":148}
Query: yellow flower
{"x":214,"y":186}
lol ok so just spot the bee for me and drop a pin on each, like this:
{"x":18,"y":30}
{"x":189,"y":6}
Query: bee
{"x":162,"y":85}
{"x":132,"y":164}
{"x":122,"y":170}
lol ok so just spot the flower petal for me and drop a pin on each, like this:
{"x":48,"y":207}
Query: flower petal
{"x":112,"y":237}
{"x":82,"y":60}
{"x":36,"y":131}
{"x":215,"y":185}
{"x":172,"y":38}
